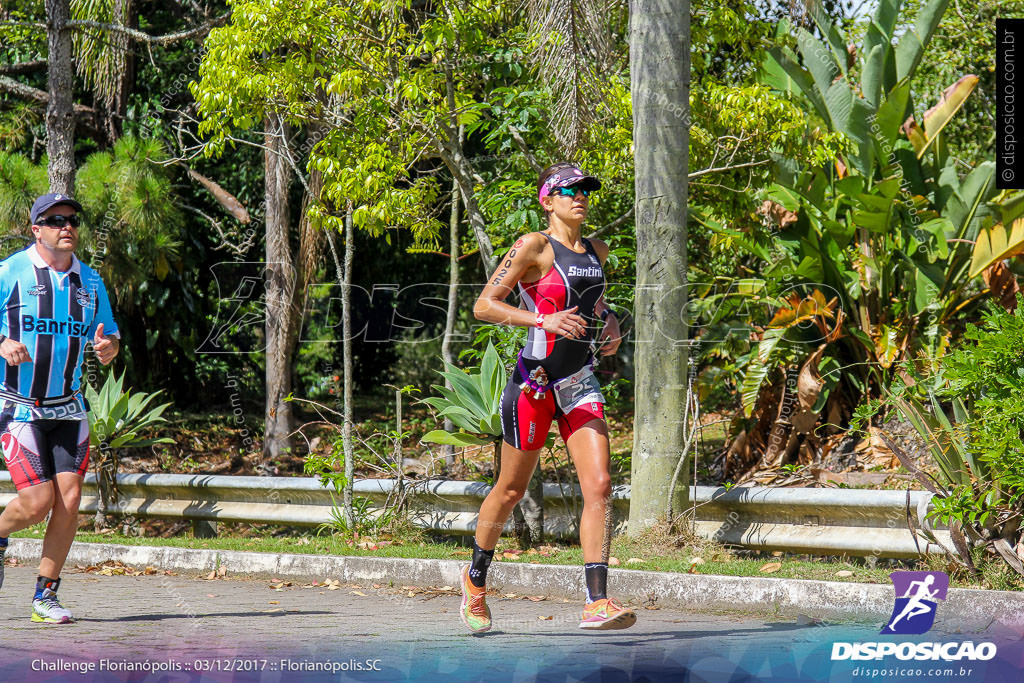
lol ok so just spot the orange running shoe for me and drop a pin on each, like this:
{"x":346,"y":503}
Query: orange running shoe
{"x":606,"y":615}
{"x":474,"y":611}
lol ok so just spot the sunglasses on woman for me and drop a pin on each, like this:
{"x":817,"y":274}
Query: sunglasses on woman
{"x":59,"y":221}
{"x":570,"y":191}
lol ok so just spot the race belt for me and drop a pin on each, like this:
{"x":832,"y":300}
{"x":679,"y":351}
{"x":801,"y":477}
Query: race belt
{"x":38,"y":402}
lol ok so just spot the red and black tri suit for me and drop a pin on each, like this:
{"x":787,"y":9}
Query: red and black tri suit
{"x":575,"y":279}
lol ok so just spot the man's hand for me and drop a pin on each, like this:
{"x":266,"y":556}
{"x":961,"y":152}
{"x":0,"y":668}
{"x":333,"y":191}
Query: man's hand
{"x":14,"y":352}
{"x":610,"y":336}
{"x":106,"y":347}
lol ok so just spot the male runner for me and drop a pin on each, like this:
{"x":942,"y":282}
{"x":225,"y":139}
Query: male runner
{"x":53,"y":304}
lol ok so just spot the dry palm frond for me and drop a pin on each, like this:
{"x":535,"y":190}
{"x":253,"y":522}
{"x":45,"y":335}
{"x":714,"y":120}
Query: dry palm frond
{"x":573,"y":53}
{"x":101,"y":54}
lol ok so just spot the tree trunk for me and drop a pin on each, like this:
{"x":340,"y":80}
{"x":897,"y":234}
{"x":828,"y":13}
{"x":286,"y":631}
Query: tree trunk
{"x":449,"y":324}
{"x":530,"y":512}
{"x":346,"y":326}
{"x":280,"y":290}
{"x":453,"y":157}
{"x":60,"y":112}
{"x":660,"y":73}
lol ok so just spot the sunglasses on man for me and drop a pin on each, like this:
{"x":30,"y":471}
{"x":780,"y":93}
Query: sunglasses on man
{"x":59,"y":221}
{"x":569,"y":191}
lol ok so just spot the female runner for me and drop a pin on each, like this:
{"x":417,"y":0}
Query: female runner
{"x":561,"y":281}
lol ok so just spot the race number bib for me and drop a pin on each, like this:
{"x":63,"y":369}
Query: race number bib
{"x":577,"y":389}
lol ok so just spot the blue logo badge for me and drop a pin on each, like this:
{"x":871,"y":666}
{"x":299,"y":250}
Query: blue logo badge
{"x":917,"y":594}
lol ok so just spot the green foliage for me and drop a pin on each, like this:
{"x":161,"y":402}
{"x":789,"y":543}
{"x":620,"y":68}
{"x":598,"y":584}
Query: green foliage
{"x":505,"y":339}
{"x":365,"y":518}
{"x":978,"y":449}
{"x":883,"y":233}
{"x":21,"y":182}
{"x":132,"y":227}
{"x":471,"y":404}
{"x":986,"y":375}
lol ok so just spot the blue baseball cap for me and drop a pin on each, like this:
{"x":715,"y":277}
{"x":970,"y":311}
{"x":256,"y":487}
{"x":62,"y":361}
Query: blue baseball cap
{"x":48,"y":201}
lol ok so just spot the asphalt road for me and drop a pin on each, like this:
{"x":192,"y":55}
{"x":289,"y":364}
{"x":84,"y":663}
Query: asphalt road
{"x":185,"y":627}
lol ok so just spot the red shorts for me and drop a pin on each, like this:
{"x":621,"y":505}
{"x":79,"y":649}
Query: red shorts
{"x":526,"y":419}
{"x":37,"y":451}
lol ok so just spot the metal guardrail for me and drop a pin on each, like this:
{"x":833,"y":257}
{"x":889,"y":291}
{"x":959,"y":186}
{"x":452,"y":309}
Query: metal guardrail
{"x":814,"y":521}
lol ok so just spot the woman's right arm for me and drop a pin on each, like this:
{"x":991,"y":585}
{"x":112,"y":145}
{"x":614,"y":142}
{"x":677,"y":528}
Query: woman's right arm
{"x":490,"y":306}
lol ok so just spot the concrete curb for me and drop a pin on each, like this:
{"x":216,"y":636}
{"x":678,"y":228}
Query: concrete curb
{"x":964,"y":609}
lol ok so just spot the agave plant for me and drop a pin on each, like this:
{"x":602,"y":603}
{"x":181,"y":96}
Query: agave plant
{"x":116,"y":419}
{"x":471,"y":404}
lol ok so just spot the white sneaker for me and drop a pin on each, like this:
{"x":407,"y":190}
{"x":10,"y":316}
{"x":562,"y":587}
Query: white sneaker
{"x":48,"y":610}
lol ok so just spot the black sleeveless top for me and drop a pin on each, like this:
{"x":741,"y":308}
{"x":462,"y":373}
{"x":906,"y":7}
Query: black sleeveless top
{"x":575,"y":279}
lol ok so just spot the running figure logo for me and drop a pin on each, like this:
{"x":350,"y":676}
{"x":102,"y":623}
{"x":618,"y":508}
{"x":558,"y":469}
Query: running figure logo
{"x":917,"y":594}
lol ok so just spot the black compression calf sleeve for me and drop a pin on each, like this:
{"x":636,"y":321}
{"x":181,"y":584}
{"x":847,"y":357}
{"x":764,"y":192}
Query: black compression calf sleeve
{"x":597,"y":580}
{"x":478,"y":569}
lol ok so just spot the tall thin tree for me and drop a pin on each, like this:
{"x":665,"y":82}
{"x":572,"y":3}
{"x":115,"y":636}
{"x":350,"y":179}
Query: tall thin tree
{"x":60,"y":112}
{"x":280,"y":284}
{"x":659,"y":46}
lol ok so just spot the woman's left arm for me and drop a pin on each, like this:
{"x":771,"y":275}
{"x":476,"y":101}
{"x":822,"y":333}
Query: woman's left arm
{"x":611,"y":336}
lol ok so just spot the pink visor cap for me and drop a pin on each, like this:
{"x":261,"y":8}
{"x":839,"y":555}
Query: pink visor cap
{"x":567,"y":177}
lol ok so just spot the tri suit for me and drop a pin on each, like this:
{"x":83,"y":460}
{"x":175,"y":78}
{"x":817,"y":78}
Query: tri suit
{"x":572,"y":395}
{"x":43,"y":425}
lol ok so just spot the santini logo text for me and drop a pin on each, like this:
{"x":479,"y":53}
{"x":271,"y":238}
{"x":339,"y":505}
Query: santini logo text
{"x":947,"y":652}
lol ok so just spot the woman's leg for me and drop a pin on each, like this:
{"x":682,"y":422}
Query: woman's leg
{"x":516,"y":469}
{"x":588,"y":447}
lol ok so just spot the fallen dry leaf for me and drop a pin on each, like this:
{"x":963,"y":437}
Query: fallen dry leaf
{"x":844,"y":573}
{"x":222,"y":571}
{"x":548,"y":618}
{"x":358,"y":593}
{"x":444,"y":588}
{"x":613,"y":562}
{"x":211,"y":576}
{"x":510,"y":596}
{"x":510,"y":556}
{"x":634,"y":560}
{"x":274,"y":602}
{"x":411,"y":594}
{"x":535,"y":598}
{"x":770,"y":567}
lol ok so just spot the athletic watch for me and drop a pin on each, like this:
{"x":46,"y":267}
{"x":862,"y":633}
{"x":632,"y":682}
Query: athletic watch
{"x":3,"y":338}
{"x":607,"y":312}
{"x":540,"y":320}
